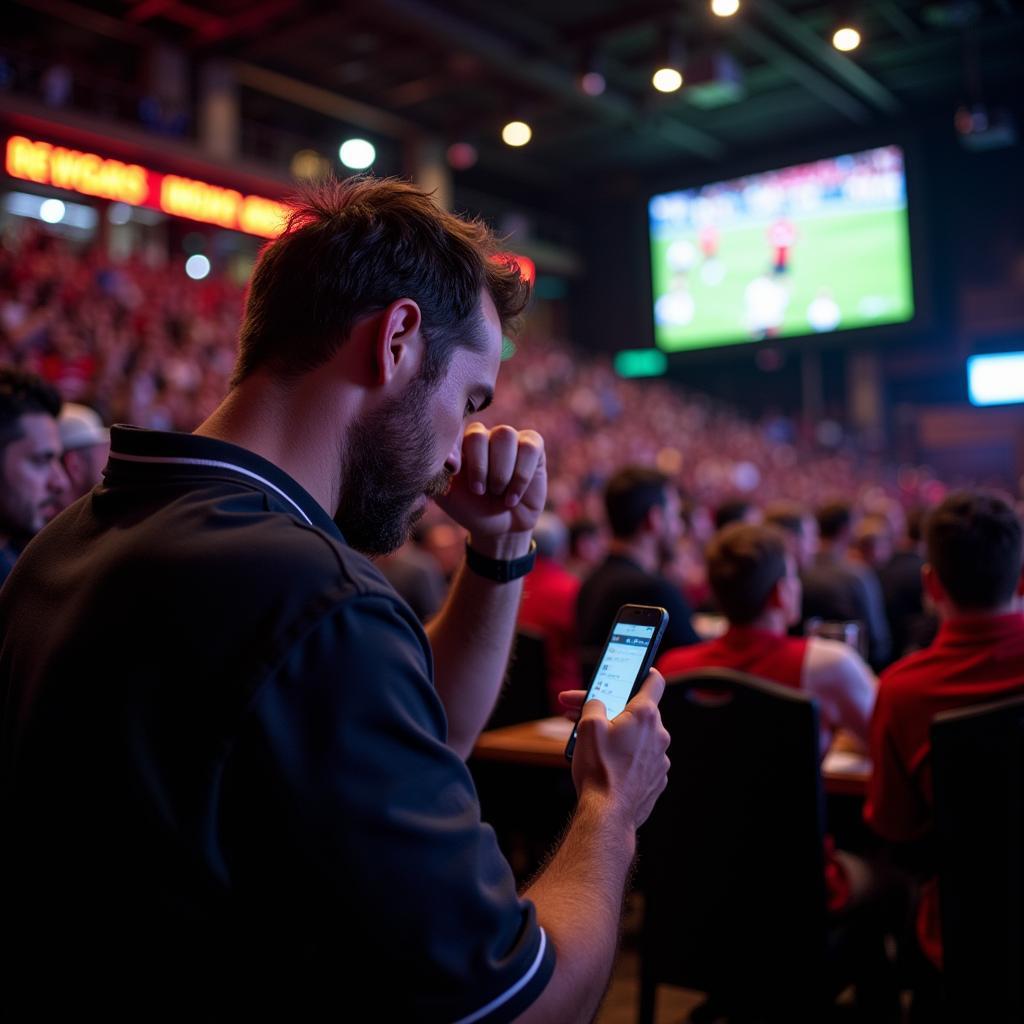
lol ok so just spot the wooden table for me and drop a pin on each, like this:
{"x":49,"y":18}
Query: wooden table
{"x":542,"y":743}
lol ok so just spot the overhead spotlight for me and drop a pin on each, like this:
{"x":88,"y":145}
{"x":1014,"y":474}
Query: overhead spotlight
{"x":667,"y":80}
{"x":309,"y":165}
{"x":668,"y":76}
{"x":461,"y":156}
{"x":52,"y":211}
{"x":590,"y":78}
{"x":516,"y":133}
{"x":357,"y":154}
{"x":197,"y":267}
{"x":846,"y":38}
{"x":724,"y":8}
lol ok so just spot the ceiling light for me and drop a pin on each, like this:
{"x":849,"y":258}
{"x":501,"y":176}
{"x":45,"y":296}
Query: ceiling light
{"x":846,"y":38}
{"x":725,"y":8}
{"x":52,"y":211}
{"x":461,"y":155}
{"x":516,"y":133}
{"x":309,"y":165}
{"x":357,"y":154}
{"x":667,"y":80}
{"x":197,"y":267}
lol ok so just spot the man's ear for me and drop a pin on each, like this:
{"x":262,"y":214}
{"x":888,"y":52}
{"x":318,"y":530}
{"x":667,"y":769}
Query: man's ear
{"x":775,"y":596}
{"x":932,"y":587}
{"x":398,"y":344}
{"x":654,"y":519}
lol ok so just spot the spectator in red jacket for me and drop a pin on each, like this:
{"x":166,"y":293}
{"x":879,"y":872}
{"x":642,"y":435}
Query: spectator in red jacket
{"x":549,"y":606}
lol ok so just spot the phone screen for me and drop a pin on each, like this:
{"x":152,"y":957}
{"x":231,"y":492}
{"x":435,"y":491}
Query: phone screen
{"x":623,"y":657}
{"x":627,"y":656}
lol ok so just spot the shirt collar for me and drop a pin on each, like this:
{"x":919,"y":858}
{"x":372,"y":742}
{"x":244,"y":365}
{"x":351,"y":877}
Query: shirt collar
{"x":745,"y":635}
{"x":972,"y":630}
{"x":144,"y":454}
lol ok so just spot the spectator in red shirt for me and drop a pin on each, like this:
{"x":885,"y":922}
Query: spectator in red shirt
{"x":754,"y":579}
{"x":973,"y":577}
{"x":549,"y":606}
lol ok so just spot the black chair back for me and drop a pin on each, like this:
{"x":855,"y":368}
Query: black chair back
{"x":732,"y":857}
{"x":978,"y":774}
{"x":524,"y":697}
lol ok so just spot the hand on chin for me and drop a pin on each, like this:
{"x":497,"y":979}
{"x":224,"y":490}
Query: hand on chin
{"x":501,"y":485}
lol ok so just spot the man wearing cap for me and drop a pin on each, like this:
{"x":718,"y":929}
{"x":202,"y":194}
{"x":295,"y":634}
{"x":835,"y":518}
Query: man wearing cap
{"x":86,"y":444}
{"x":31,"y":478}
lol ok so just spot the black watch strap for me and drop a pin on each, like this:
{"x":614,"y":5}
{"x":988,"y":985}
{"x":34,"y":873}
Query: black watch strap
{"x":498,"y":569}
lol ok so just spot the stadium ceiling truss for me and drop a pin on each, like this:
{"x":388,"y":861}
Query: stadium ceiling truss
{"x":457,"y":70}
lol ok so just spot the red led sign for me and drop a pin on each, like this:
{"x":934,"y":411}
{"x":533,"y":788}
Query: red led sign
{"x":90,"y":174}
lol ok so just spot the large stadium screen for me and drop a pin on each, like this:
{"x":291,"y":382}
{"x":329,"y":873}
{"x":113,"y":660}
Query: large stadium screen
{"x":807,"y":249}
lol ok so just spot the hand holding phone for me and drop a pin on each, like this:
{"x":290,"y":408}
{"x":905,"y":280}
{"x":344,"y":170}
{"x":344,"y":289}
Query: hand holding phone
{"x":623,"y":762}
{"x":626,"y":659}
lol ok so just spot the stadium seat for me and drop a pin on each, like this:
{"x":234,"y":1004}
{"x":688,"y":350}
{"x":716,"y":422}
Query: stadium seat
{"x":732,"y":857}
{"x":978,"y":771}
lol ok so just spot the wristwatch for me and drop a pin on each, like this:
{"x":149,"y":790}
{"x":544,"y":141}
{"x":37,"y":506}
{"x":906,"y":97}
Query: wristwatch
{"x":498,"y":569}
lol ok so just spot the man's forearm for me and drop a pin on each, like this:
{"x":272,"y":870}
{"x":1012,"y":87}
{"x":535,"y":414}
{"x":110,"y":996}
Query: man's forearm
{"x":578,"y":898}
{"x":471,"y":639}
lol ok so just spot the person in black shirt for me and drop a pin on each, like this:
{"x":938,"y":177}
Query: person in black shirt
{"x":643,"y":510}
{"x":912,"y":626}
{"x":838,"y":588}
{"x":233,"y":762}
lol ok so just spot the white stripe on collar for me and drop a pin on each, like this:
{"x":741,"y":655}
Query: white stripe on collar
{"x":217,"y":465}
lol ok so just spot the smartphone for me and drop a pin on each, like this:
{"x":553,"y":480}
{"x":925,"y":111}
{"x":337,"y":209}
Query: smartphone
{"x":626,"y":659}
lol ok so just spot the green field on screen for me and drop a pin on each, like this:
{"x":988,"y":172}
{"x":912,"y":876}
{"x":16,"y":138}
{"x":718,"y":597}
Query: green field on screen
{"x":860,"y":259}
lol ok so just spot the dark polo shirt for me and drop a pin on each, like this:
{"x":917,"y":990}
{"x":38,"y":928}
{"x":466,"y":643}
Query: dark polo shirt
{"x":226,"y":789}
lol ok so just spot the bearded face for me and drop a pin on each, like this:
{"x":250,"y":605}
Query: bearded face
{"x":386,"y":473}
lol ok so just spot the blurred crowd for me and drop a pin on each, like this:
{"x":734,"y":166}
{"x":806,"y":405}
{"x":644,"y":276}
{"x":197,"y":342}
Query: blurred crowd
{"x":814,"y":566}
{"x":151,"y":347}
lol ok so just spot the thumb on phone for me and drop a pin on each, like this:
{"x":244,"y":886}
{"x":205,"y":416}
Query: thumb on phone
{"x":594,"y":708}
{"x":652,"y":689}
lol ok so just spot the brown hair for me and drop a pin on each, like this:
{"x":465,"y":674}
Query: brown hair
{"x":745,"y":562}
{"x":23,"y":393}
{"x":974,"y":545}
{"x":351,"y":248}
{"x":787,"y":516}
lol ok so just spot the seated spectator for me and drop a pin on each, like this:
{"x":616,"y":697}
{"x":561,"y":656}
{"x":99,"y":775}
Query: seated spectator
{"x":801,"y":527}
{"x":973,"y":577}
{"x":872,"y":542}
{"x":643,"y":513}
{"x":753,"y":577}
{"x":31,"y":478}
{"x":838,"y":589}
{"x":86,"y":444}
{"x":548,"y":606}
{"x":911,"y":625}
{"x":736,"y":511}
{"x":586,"y":547}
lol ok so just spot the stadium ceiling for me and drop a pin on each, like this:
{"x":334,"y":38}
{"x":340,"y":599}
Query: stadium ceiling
{"x":458,"y":70}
